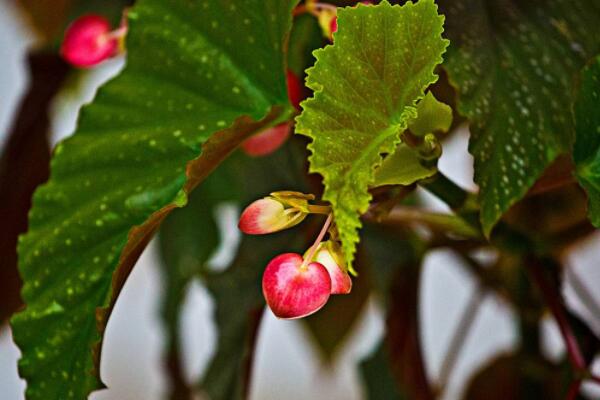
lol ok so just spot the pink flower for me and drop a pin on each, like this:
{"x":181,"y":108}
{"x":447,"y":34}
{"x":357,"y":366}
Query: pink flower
{"x":88,"y":41}
{"x":267,"y":141}
{"x":329,"y":254}
{"x":293,"y":288}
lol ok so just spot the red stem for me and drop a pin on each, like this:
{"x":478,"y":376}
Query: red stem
{"x":553,"y":300}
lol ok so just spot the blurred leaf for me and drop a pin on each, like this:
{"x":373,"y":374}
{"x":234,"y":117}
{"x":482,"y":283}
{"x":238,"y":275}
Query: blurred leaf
{"x":586,"y":153}
{"x":403,"y":167}
{"x":516,"y":377}
{"x":28,"y":152}
{"x":363,"y":101}
{"x":330,"y":327}
{"x":513,"y":63}
{"x":188,"y":238}
{"x":239,"y":306}
{"x":381,"y":384}
{"x":134,"y":158}
{"x":395,"y":257}
{"x":305,"y":37}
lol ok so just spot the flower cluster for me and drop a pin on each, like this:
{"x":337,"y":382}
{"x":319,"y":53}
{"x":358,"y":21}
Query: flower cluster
{"x":295,"y":286}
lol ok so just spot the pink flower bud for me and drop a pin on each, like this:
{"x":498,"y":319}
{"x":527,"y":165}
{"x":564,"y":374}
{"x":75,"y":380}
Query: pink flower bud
{"x":294,"y":87}
{"x":293,"y":289}
{"x":88,"y":41}
{"x":269,"y":215}
{"x":329,"y":254}
{"x":267,"y":141}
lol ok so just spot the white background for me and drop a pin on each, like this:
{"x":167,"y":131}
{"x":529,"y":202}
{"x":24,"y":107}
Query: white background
{"x":285,"y":365}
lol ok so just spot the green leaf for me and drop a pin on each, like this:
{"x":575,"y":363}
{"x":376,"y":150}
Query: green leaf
{"x":586,"y":152}
{"x":513,"y":64}
{"x":432,"y":116}
{"x":366,"y":85}
{"x":403,"y":167}
{"x":192,"y":69}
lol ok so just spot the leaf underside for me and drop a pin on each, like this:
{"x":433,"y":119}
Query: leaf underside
{"x":365,"y":88}
{"x":193,"y":68}
{"x":513,"y":63}
{"x":586,"y":152}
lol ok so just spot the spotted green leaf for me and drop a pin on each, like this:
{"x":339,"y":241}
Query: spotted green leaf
{"x":193,"y":69}
{"x":513,"y":63}
{"x":366,"y":85}
{"x":586,"y":153}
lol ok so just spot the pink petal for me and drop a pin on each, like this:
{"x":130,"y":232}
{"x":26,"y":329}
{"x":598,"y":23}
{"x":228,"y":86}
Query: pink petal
{"x":266,"y":142}
{"x":294,"y":292}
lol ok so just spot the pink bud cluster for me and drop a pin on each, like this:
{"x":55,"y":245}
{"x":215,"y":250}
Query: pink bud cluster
{"x":295,"y":286}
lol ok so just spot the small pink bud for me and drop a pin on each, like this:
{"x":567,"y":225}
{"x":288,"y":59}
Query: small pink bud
{"x":294,"y":87}
{"x":330,"y":256}
{"x":88,"y":41}
{"x":267,"y":141}
{"x":333,"y":25}
{"x":269,"y":215}
{"x":293,"y":290}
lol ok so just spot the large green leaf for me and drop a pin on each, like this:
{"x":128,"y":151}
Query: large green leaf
{"x":366,"y":85}
{"x":513,"y":63}
{"x":193,"y":68}
{"x":587,"y":142}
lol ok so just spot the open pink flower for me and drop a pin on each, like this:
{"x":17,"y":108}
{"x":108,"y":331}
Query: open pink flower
{"x":293,"y":288}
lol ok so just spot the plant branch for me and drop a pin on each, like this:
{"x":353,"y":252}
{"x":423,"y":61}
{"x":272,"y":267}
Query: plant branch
{"x":459,"y":338}
{"x":553,"y":299}
{"x":447,"y":191}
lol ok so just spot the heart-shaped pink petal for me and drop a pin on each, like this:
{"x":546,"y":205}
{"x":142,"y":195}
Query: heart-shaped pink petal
{"x":292,"y":290}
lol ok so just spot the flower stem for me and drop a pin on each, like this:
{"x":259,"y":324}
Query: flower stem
{"x":315,"y":209}
{"x":313,"y":248}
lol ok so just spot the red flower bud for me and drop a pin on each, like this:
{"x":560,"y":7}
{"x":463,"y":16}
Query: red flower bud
{"x":270,"y":215}
{"x":88,"y":41}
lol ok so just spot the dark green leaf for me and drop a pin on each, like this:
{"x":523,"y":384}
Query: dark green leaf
{"x":513,"y":63}
{"x":192,"y":69}
{"x":587,"y":142}
{"x":366,"y":85}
